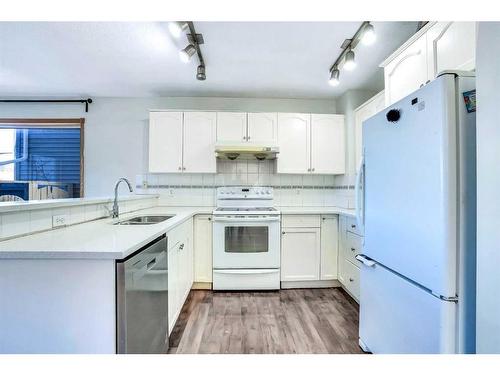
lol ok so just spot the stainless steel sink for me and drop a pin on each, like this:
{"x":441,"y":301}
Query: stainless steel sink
{"x":144,"y":220}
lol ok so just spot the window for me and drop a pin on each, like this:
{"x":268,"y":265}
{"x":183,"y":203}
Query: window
{"x":41,"y":159}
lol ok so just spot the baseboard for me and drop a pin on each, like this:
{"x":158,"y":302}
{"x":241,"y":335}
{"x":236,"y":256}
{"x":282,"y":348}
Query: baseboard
{"x":310,"y":284}
{"x":348,"y":292}
{"x":202,"y":286}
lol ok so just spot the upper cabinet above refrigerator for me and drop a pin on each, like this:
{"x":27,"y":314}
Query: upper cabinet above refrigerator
{"x":438,"y":46}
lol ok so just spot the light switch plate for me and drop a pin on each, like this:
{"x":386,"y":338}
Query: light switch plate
{"x":59,"y":220}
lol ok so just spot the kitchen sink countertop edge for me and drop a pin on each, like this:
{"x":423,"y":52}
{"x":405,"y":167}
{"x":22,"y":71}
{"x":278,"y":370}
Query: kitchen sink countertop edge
{"x":100,"y":239}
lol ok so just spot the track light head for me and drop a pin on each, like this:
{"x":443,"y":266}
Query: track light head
{"x":334,"y":77}
{"x":349,"y":63}
{"x":200,"y":73}
{"x":369,"y":35}
{"x":176,"y":28}
{"x":186,"y":53}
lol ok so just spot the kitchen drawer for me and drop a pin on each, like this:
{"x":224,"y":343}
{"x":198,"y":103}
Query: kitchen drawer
{"x":351,"y":280}
{"x":178,"y":234}
{"x":301,"y":221}
{"x":352,"y":226}
{"x":354,"y":246}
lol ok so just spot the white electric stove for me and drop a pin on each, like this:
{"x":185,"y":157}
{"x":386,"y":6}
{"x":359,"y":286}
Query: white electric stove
{"x":246,"y":239}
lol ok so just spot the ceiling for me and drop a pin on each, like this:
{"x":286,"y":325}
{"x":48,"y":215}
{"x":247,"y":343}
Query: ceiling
{"x":243,"y":59}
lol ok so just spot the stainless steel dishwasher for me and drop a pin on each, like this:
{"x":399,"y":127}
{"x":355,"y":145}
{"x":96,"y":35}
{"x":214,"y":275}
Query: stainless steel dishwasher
{"x":142,"y":300}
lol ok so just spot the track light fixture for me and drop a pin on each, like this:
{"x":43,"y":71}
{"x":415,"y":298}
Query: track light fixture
{"x":346,"y":59}
{"x":186,"y":53}
{"x":334,"y":77}
{"x":176,"y":28}
{"x":349,"y":62}
{"x":369,"y":36}
{"x":200,"y":73}
{"x":194,"y":40}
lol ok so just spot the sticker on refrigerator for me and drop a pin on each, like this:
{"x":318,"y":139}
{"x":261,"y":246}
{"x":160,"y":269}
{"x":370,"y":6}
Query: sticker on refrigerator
{"x":470,"y":100}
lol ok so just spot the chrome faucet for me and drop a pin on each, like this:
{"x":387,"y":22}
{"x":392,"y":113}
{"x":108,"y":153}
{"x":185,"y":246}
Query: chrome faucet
{"x":115,"y":212}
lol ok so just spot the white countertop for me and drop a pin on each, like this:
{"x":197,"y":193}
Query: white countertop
{"x":100,"y":239}
{"x":66,"y":202}
{"x":316,"y":210}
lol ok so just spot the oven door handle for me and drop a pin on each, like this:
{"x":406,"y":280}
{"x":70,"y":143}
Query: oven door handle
{"x":247,"y":271}
{"x":245,"y":219}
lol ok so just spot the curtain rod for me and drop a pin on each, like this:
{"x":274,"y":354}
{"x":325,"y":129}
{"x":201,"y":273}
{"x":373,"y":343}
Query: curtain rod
{"x":83,"y":101}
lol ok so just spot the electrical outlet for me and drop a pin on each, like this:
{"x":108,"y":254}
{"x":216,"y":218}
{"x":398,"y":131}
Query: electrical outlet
{"x":59,"y":221}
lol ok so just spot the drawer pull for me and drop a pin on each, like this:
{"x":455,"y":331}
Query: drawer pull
{"x":353,"y":226}
{"x":353,"y":249}
{"x":351,"y":279}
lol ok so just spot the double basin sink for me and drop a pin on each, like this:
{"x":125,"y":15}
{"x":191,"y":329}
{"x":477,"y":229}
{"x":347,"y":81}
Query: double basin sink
{"x":145,"y":220}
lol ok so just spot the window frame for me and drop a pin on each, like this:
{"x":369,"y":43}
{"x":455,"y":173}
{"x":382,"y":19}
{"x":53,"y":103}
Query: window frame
{"x":28,"y":123}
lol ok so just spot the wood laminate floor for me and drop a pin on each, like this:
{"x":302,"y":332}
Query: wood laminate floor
{"x":286,"y":321}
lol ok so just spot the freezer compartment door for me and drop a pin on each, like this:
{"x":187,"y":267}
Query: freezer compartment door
{"x":397,"y":316}
{"x":410,"y":187}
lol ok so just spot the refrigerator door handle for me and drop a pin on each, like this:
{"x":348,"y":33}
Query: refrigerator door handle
{"x":357,"y":191}
{"x":366,"y":261}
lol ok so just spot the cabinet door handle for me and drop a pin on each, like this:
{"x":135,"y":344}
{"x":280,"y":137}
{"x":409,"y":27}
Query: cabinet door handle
{"x":351,"y":279}
{"x":309,"y":169}
{"x":313,"y":169}
{"x":244,"y":138}
{"x":183,"y":168}
{"x":353,"y":249}
{"x":209,"y":219}
{"x":248,"y":138}
{"x":283,"y":232}
{"x":180,"y":168}
{"x":353,"y":226}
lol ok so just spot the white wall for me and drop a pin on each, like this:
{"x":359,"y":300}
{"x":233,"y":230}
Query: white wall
{"x":488,"y":183}
{"x":116,"y":128}
{"x":346,"y":105}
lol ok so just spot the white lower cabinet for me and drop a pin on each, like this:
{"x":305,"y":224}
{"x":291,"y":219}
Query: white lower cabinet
{"x":180,"y":269}
{"x":309,"y":249}
{"x":203,"y":249}
{"x":351,"y":278}
{"x":300,"y":254}
{"x":329,"y":247}
{"x":351,"y":244}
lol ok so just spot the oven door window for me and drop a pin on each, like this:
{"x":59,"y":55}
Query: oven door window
{"x":246,"y":240}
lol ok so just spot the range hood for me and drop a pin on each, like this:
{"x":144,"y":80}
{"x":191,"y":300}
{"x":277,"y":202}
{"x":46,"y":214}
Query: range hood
{"x":245,"y":151}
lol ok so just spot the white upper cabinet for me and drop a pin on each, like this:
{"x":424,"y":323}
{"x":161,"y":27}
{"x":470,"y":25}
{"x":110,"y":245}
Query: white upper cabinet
{"x":165,"y":142}
{"x":294,"y":142}
{"x":438,"y":46}
{"x":327,"y":144}
{"x":182,"y":142}
{"x":199,"y":142}
{"x":231,"y":127}
{"x":262,"y":128}
{"x":407,"y":72}
{"x":451,"y":46}
{"x":362,"y":113}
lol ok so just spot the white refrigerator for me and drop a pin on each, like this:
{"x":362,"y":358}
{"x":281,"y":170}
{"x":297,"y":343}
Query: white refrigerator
{"x":417,"y":194}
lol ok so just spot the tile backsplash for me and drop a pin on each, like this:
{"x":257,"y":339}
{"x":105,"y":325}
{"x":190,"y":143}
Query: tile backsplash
{"x":185,"y":189}
{"x":236,"y":173}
